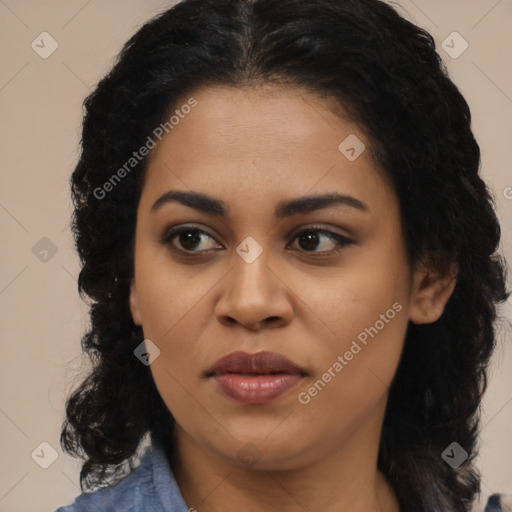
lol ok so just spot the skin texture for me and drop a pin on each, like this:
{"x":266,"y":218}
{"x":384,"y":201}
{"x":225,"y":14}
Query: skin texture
{"x":253,"y":148}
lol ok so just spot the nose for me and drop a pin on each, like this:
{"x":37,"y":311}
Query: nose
{"x":254,"y":296}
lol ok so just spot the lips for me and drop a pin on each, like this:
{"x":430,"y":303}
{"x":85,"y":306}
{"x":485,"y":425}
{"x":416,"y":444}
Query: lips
{"x":255,"y":378}
{"x":261,"y":363}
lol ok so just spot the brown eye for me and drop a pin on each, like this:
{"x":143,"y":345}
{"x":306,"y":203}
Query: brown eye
{"x":188,"y":239}
{"x":310,"y":239}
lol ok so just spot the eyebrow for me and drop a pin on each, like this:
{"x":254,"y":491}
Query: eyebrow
{"x":306,"y":204}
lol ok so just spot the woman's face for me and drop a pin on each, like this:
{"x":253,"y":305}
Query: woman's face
{"x":335,"y":300}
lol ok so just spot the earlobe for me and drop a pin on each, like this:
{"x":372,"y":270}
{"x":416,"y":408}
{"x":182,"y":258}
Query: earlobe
{"x":134,"y":304}
{"x":431,"y":290}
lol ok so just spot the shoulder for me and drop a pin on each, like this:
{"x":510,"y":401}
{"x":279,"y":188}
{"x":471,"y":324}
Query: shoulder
{"x":150,"y":487}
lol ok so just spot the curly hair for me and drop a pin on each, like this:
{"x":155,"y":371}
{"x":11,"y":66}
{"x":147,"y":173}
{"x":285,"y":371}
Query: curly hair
{"x":385,"y":72}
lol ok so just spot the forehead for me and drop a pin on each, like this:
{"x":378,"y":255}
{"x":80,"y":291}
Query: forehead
{"x":272,"y":140}
{"x":267,"y":121}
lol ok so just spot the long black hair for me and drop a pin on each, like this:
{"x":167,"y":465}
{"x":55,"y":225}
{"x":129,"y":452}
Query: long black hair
{"x":385,"y":72}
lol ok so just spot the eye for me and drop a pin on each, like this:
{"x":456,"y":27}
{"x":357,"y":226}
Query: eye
{"x":314,"y":237}
{"x":188,"y":238}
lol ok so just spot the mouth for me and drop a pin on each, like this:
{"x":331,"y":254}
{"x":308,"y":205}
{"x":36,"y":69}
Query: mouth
{"x":255,"y":378}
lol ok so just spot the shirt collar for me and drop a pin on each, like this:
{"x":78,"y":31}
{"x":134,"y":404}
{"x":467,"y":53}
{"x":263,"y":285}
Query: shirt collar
{"x":166,"y":486}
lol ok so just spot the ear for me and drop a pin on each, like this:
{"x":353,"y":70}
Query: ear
{"x":134,"y":304}
{"x":431,"y":290}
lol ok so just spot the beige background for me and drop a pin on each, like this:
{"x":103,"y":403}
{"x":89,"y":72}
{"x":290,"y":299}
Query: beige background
{"x":42,"y":316}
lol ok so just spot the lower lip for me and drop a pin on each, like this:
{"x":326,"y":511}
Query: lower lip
{"x":259,"y":389}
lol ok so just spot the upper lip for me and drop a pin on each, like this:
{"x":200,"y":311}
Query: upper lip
{"x":258,"y":363}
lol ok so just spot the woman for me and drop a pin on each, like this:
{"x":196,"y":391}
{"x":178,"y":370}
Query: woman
{"x":291,"y":260}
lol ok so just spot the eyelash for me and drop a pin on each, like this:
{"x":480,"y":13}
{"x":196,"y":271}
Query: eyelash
{"x":341,"y":240}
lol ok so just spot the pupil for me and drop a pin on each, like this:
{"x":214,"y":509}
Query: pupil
{"x":189,"y":237}
{"x":311,"y":240}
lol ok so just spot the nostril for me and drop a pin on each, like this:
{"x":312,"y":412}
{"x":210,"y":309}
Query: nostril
{"x":272,"y":320}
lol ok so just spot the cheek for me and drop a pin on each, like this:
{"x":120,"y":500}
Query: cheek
{"x":175,"y":310}
{"x":355,"y":378}
{"x":356,"y":296}
{"x":168,"y":296}
{"x":366,"y":319}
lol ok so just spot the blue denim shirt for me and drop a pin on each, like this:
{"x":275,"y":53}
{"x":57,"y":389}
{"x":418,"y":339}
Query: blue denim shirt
{"x":150,"y":487}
